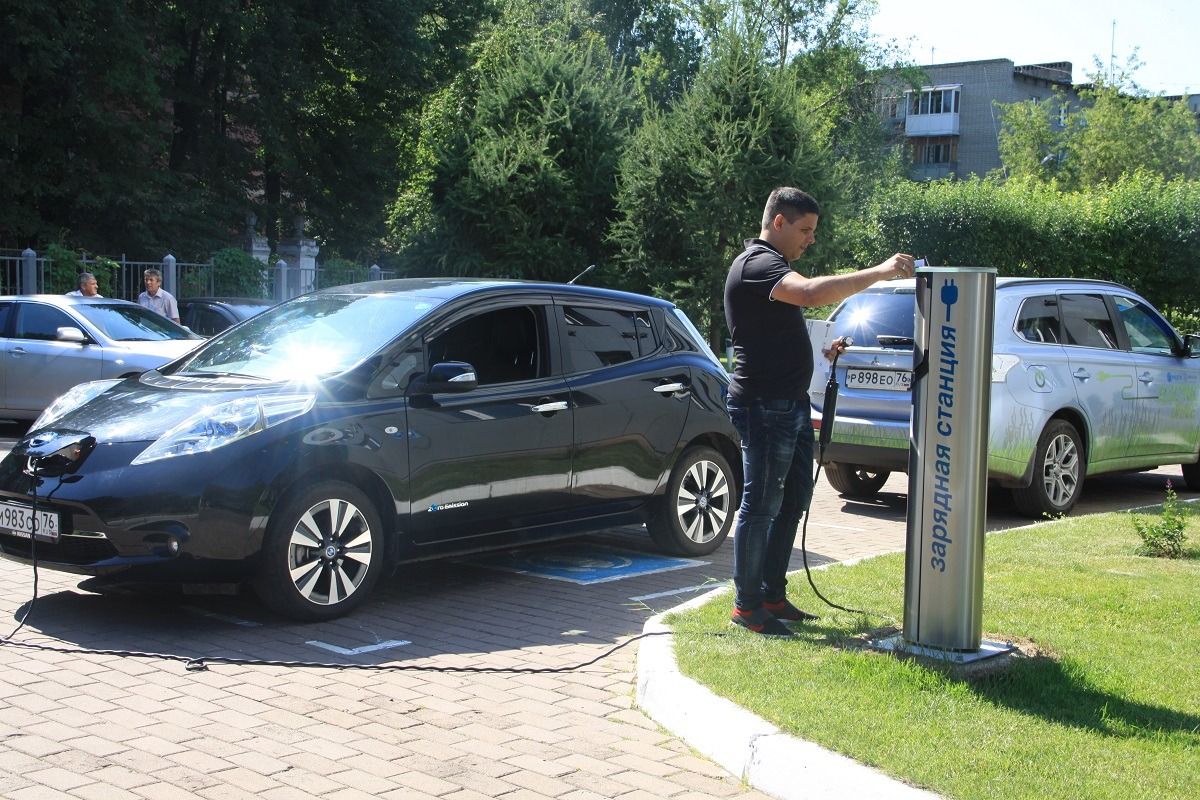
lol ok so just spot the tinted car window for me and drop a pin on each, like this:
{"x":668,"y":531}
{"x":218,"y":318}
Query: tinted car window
{"x":1086,"y":322}
{"x":601,"y":337}
{"x":869,"y":315}
{"x":1038,"y":320}
{"x":5,"y":308}
{"x":503,"y":345}
{"x":37,"y":321}
{"x":206,"y":321}
{"x":1147,"y":332}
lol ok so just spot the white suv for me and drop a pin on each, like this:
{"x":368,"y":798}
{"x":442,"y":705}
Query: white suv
{"x":1087,"y":377}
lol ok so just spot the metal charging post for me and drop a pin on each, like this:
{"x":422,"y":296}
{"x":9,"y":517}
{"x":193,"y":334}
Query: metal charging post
{"x":947,"y":483}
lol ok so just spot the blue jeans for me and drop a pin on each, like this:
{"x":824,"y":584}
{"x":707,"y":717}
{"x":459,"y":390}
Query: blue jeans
{"x":777,"y":464}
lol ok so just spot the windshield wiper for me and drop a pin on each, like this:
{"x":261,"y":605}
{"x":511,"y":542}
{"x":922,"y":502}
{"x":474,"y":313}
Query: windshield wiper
{"x":894,"y":341}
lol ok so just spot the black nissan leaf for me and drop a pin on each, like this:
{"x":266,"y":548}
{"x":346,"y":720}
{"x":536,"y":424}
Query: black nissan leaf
{"x":333,"y":436}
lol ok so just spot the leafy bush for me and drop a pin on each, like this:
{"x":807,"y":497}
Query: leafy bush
{"x":1163,"y":537}
{"x":1142,"y":231}
{"x":66,"y":264}
{"x":235,"y":273}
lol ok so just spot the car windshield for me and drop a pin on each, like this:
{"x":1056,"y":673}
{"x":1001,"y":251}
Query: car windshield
{"x":869,"y":315}
{"x":309,"y":337}
{"x":131,"y":323}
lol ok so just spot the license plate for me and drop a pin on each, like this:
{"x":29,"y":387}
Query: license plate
{"x":886,"y":379}
{"x":17,"y":519}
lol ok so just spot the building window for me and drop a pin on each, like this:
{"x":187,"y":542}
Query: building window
{"x":941,"y":150}
{"x":934,"y":101}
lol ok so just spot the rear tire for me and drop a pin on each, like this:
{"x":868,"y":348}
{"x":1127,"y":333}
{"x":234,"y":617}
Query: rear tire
{"x":1059,"y":469}
{"x":323,"y":552}
{"x":696,"y":513}
{"x":852,"y":480}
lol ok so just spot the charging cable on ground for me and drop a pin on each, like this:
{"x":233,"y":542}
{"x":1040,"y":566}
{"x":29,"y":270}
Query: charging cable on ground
{"x":828,"y":412}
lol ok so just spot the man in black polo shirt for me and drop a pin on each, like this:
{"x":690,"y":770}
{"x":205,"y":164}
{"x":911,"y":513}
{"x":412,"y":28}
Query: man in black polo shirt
{"x":768,"y":398}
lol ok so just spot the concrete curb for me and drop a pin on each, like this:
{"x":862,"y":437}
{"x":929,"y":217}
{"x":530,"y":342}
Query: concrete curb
{"x":748,"y":747}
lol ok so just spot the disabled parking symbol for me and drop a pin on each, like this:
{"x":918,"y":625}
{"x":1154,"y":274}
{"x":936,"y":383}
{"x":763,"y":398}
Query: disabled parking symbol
{"x":580,"y":563}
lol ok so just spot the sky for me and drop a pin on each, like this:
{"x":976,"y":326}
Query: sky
{"x":1166,"y":34}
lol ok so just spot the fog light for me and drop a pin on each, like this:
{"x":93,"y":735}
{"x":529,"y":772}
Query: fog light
{"x":173,"y":546}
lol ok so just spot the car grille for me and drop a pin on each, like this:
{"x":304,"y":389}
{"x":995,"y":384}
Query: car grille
{"x":69,"y":549}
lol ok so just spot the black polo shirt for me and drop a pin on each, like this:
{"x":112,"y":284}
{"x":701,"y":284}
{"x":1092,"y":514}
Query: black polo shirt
{"x":771,"y":350}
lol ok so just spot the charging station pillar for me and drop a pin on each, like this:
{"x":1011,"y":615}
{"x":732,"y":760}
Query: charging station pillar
{"x":947,"y":457}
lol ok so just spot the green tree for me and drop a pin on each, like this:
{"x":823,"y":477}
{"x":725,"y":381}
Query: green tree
{"x":526,"y":188}
{"x":695,"y":178}
{"x":1113,"y":130}
{"x":138,"y":126}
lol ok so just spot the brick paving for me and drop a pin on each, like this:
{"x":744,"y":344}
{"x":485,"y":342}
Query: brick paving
{"x":98,"y":725}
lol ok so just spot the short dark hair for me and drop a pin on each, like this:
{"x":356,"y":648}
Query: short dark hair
{"x":790,"y":202}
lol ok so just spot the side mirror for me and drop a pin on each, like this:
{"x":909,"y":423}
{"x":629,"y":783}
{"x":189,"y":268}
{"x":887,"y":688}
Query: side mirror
{"x":71,"y":334}
{"x":1191,"y":345}
{"x":447,"y":376}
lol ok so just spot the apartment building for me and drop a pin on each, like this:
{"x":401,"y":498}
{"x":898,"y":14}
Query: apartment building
{"x":951,"y":125}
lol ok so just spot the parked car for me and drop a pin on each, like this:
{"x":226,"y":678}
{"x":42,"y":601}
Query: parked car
{"x":1087,"y":378}
{"x":341,"y":432}
{"x":208,"y":316}
{"x":49,"y":343}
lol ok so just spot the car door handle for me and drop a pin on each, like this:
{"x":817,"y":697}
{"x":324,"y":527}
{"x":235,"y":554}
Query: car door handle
{"x":1146,"y":378}
{"x":1081,"y":374}
{"x":550,"y":408}
{"x":670,"y":388}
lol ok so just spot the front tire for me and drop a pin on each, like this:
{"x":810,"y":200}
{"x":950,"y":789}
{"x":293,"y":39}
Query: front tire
{"x":852,"y":480}
{"x":1059,"y":468}
{"x":696,"y":513}
{"x":1191,"y":476}
{"x":322,"y":554}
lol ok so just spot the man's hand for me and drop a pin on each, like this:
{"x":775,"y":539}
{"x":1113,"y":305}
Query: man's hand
{"x":901,"y":265}
{"x":836,"y":348}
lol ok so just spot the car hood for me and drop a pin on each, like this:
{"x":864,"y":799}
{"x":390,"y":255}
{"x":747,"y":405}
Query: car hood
{"x":167,"y":349}
{"x":136,"y":410}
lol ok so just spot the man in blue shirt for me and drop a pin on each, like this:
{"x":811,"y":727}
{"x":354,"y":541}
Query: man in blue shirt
{"x":768,"y":398}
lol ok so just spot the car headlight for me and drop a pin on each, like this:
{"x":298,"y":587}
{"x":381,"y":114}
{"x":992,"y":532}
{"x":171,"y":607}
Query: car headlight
{"x":218,"y":426}
{"x":72,"y":399}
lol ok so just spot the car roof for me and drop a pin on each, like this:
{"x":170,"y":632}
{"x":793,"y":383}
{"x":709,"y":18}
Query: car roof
{"x":452,"y":288}
{"x":67,"y":300}
{"x":229,"y":301}
{"x":910,"y":284}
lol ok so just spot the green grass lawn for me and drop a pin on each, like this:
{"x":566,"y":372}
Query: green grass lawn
{"x":1109,"y":709}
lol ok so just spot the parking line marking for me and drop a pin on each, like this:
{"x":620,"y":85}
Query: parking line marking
{"x":200,"y":612}
{"x":675,"y":591}
{"x":358,"y":651}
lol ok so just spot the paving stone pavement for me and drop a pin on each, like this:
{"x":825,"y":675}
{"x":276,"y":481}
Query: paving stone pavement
{"x":417,"y":722}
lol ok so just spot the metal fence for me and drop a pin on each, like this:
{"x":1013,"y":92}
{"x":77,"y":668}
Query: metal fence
{"x":29,"y":273}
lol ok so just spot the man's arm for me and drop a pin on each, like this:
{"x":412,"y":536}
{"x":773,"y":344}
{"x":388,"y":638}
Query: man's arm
{"x":801,"y":291}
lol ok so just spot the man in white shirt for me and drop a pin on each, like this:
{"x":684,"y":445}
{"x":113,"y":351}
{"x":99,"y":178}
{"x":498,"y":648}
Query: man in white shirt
{"x":156,"y":298}
{"x":87,"y":286}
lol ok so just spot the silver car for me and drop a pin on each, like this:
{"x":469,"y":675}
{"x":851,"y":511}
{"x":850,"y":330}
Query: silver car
{"x":1087,"y":378}
{"x":49,"y":343}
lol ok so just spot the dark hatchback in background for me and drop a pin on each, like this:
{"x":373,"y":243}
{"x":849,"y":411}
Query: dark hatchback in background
{"x":208,"y":316}
{"x":1087,"y":377}
{"x":332,"y":436}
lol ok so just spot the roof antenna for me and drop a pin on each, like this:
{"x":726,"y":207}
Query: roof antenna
{"x":585,"y":272}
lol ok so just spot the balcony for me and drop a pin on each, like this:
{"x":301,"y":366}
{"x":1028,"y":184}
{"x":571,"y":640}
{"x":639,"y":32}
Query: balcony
{"x":931,"y":124}
{"x":933,"y":172}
